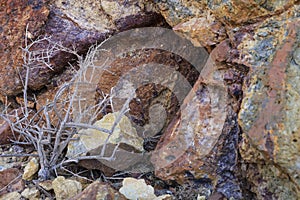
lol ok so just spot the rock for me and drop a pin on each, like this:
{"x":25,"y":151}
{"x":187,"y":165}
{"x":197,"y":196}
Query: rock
{"x":269,"y":114}
{"x":65,"y":188}
{"x":10,"y":181}
{"x":46,"y":185}
{"x":245,"y":12}
{"x":14,"y":18}
{"x":31,"y":193}
{"x":147,"y":94}
{"x":204,"y":31}
{"x":6,"y":134}
{"x":230,"y":12}
{"x":11,"y":196}
{"x":202,"y":143}
{"x":134,"y":189}
{"x":99,"y":191}
{"x":30,"y":169}
{"x":68,"y":27}
{"x":206,"y":102}
{"x":92,"y":141}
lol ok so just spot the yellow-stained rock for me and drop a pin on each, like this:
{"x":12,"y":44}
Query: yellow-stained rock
{"x":30,"y":169}
{"x":31,"y":193}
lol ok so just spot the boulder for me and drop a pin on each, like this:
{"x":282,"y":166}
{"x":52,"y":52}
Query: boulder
{"x":269,"y":113}
{"x":67,"y":26}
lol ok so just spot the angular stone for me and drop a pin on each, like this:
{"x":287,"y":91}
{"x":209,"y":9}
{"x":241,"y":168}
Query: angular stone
{"x":138,"y":189}
{"x":30,"y":169}
{"x":11,"y":196}
{"x":31,"y":193}
{"x":203,"y":141}
{"x":10,"y":181}
{"x":90,"y":139}
{"x":47,"y":185}
{"x":91,"y":142}
{"x":99,"y":191}
{"x":203,"y":31}
{"x":65,"y":188}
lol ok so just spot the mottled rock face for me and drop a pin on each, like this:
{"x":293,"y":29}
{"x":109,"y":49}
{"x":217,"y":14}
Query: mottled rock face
{"x":264,"y":36}
{"x":98,"y":190}
{"x":152,"y":93}
{"x":269,"y":114}
{"x":15,"y":16}
{"x":203,"y":141}
{"x":230,"y":12}
{"x":70,"y":23}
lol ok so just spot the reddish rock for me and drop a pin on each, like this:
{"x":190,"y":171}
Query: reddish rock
{"x":192,"y":136}
{"x":151,"y":93}
{"x":6,"y":133}
{"x":15,"y":16}
{"x":269,"y":114}
{"x":11,"y":180}
{"x":97,"y":191}
{"x":64,"y":25}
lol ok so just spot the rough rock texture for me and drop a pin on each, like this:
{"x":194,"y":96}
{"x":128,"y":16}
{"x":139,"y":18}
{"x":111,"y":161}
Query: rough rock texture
{"x":147,"y":94}
{"x":138,"y":189}
{"x":65,"y":188}
{"x":91,"y":139}
{"x":11,"y":181}
{"x":263,"y":36}
{"x":69,"y":23}
{"x":31,"y":193}
{"x":15,"y":15}
{"x":11,"y":196}
{"x":99,"y":191}
{"x":269,"y":114}
{"x":30,"y":169}
{"x":230,"y":12}
{"x":202,"y":142}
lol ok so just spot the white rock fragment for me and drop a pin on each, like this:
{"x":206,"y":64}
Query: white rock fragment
{"x":137,"y":189}
{"x":90,"y":139}
{"x":31,"y":193}
{"x":11,"y":196}
{"x":65,"y":188}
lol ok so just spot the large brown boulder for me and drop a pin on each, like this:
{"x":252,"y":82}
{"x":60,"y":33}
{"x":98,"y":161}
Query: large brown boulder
{"x":75,"y":25}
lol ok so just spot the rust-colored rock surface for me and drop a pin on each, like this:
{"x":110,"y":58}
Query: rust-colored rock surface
{"x":15,"y":17}
{"x":148,"y":94}
{"x":203,"y":141}
{"x":71,"y":24}
{"x":264,"y":37}
{"x":98,"y":190}
{"x":269,"y":114}
{"x":11,"y":181}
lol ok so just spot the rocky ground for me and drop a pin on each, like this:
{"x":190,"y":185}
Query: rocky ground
{"x":205,"y":105}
